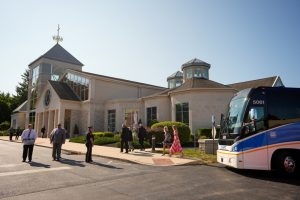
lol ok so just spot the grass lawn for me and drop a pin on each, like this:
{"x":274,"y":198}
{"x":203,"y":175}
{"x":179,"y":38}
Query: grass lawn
{"x":196,"y":154}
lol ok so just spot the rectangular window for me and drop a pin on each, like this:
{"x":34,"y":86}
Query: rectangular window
{"x":111,"y":126}
{"x":32,"y":118}
{"x":33,"y":98}
{"x":35,"y":76}
{"x":46,"y":68}
{"x":151,"y":115}
{"x":283,"y":107}
{"x":182,"y":113}
{"x":197,"y":73}
{"x":189,"y":73}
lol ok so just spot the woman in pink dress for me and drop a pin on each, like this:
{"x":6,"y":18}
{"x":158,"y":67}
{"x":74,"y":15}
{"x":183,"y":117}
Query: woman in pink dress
{"x":176,"y":146}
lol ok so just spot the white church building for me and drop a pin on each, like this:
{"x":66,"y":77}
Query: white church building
{"x":60,"y":91}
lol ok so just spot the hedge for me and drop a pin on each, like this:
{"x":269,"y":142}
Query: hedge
{"x":104,"y":140}
{"x":4,"y":125}
{"x":99,"y":139}
{"x":135,"y":144}
{"x":79,"y":139}
{"x":183,"y":131}
{"x":205,"y":133}
{"x":103,"y":134}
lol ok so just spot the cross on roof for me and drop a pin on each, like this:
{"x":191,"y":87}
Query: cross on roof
{"x":57,"y":38}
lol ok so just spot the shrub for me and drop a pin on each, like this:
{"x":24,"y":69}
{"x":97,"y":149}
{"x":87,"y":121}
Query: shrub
{"x":104,"y":140}
{"x":183,"y":131}
{"x":135,"y":144}
{"x":4,"y":125}
{"x":79,"y":139}
{"x":103,"y":134}
{"x":153,"y":121}
{"x":98,"y":140}
{"x":4,"y":133}
{"x":117,"y":137}
{"x":159,"y":136}
{"x":205,"y":133}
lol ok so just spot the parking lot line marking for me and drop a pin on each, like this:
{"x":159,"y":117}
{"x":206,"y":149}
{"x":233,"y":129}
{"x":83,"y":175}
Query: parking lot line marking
{"x":33,"y":171}
{"x":11,"y":165}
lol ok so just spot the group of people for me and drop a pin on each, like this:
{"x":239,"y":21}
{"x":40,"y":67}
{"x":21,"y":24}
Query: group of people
{"x":12,"y":131}
{"x":57,"y":139}
{"x":127,"y":138}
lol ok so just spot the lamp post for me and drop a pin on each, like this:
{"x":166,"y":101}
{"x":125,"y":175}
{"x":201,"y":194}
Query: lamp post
{"x":213,"y":131}
{"x":153,"y":143}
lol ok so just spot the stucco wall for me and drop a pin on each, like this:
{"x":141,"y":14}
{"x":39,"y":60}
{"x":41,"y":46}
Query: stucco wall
{"x":120,"y":106}
{"x":109,"y":90}
{"x":202,"y":105}
{"x":19,"y":120}
{"x":163,"y":105}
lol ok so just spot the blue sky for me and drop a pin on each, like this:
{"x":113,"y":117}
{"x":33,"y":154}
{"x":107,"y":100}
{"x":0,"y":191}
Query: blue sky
{"x":146,"y":41}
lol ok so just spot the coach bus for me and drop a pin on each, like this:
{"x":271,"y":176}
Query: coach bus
{"x":261,"y":130}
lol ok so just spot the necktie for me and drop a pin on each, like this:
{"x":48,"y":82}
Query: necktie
{"x":29,"y":134}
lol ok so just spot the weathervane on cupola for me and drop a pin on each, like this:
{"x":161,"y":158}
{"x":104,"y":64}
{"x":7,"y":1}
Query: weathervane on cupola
{"x":57,"y":38}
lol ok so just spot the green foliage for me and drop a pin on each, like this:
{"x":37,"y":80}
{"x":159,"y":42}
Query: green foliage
{"x":5,"y":107}
{"x":196,"y":154}
{"x":117,"y":137}
{"x":205,"y":133}
{"x":4,"y":133}
{"x":79,"y":139}
{"x":135,"y":144}
{"x":76,"y":130}
{"x":4,"y":125}
{"x":183,"y":131}
{"x":103,"y":134}
{"x":100,"y":139}
{"x":104,"y":140}
{"x":153,"y":121}
{"x":159,"y":135}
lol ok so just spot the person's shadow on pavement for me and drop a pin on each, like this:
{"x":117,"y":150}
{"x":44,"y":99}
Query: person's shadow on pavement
{"x":36,"y":164}
{"x":71,"y":162}
{"x":105,"y":165}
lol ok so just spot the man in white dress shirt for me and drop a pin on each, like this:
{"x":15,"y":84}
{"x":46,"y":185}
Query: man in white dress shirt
{"x":28,"y":138}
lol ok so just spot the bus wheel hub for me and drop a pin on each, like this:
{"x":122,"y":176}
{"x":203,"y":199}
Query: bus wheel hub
{"x":289,"y":164}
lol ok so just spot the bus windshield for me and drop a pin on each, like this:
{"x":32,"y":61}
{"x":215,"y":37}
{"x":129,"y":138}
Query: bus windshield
{"x":235,"y":115}
{"x":233,"y":121}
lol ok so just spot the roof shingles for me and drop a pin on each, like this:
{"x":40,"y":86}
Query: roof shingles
{"x":57,"y":52}
{"x":267,"y":82}
{"x":64,"y":91}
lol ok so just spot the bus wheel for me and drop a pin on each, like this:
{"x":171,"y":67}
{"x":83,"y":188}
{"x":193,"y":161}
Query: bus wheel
{"x":287,"y":164}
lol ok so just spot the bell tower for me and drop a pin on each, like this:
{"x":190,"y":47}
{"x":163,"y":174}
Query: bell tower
{"x":49,"y":66}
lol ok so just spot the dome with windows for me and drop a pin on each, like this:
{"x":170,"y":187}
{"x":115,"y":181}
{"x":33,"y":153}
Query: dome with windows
{"x":175,"y":80}
{"x":195,"y":68}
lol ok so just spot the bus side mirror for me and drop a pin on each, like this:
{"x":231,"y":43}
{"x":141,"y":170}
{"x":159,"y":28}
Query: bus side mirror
{"x":253,"y":114}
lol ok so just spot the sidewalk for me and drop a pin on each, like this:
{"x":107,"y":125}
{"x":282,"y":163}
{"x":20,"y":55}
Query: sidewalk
{"x":141,"y":157}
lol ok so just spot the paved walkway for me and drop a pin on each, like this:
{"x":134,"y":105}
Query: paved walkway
{"x":141,"y":157}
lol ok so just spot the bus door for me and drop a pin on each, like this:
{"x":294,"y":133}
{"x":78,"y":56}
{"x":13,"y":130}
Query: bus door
{"x":254,"y":143}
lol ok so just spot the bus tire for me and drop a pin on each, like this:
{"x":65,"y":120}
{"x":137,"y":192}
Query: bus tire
{"x":287,"y":164}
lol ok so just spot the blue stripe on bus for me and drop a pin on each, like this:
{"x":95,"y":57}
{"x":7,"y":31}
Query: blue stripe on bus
{"x":286,"y":133}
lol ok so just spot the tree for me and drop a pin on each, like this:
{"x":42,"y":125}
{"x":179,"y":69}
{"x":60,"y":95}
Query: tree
{"x":21,"y":90}
{"x":5,"y":106}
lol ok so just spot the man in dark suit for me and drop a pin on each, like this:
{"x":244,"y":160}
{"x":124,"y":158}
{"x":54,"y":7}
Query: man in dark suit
{"x":124,"y":138}
{"x":142,"y":134}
